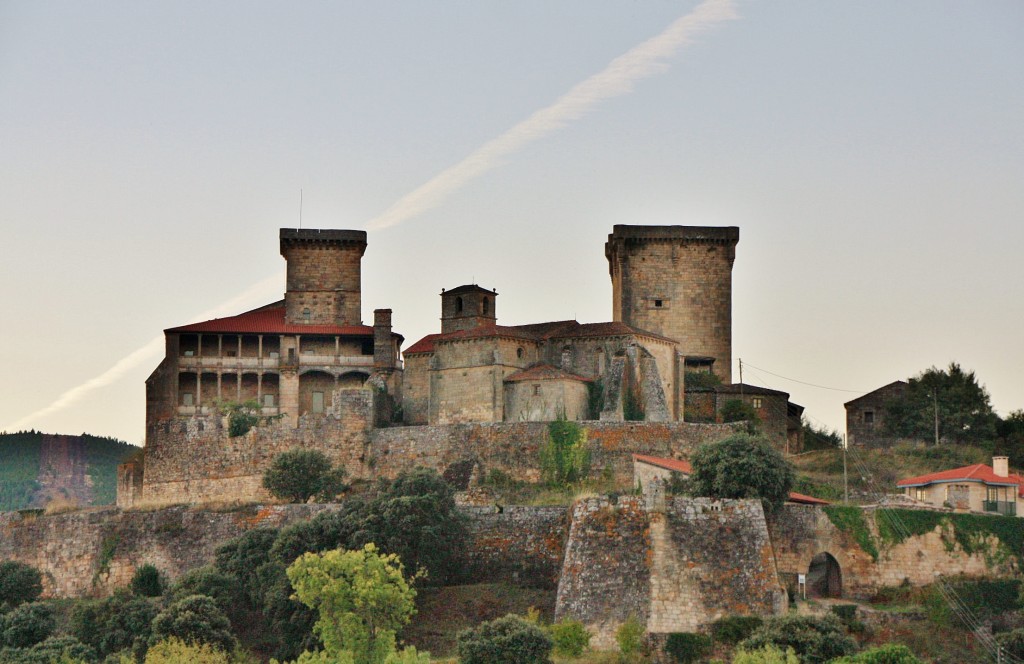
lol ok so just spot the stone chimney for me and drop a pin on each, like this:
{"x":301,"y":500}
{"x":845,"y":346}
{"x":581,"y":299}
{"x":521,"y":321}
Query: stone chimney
{"x":383,"y":346}
{"x":1001,"y":466}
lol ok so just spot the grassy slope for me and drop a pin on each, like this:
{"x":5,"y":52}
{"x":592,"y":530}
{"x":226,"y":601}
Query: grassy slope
{"x":19,"y":467}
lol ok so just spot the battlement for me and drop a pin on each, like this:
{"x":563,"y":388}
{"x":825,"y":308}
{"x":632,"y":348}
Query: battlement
{"x":690,"y":234}
{"x":304,"y":236}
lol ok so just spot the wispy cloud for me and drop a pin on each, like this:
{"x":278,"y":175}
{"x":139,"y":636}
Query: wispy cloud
{"x":643,"y":61}
{"x":255,"y":295}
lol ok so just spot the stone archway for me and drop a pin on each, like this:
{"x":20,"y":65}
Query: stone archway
{"x":824,"y":576}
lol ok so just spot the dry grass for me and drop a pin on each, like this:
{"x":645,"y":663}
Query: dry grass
{"x":61,"y":505}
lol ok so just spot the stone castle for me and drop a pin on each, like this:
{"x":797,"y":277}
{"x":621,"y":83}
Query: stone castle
{"x":457,"y":399}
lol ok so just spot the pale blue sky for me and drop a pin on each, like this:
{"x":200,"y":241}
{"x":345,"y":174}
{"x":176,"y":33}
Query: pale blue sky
{"x":871,"y":153}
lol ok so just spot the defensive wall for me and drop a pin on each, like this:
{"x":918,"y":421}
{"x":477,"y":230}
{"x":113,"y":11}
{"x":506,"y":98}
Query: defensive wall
{"x":194,"y":460}
{"x":675,"y":564}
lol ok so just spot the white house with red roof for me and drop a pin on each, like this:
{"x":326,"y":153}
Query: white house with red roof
{"x":978,"y":488}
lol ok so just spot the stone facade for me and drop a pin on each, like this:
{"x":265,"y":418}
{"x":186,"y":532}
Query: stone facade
{"x":865,"y":416}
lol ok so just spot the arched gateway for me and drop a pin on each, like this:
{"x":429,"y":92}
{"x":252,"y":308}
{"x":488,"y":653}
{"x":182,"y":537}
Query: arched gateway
{"x":824,"y":577}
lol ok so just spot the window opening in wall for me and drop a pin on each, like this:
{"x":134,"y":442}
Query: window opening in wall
{"x":536,"y":390}
{"x":458,"y":305}
{"x":190,"y":353}
{"x":274,"y":355}
{"x":318,"y":402}
{"x":367,"y":347}
{"x":485,"y":307}
{"x":291,"y":354}
{"x":519,"y":353}
{"x":268,"y":400}
{"x":658,"y":304}
{"x":307,"y":315}
{"x":869,"y":417}
{"x":232,"y":353}
{"x":757,"y":402}
{"x":921,"y":494}
{"x":187,"y":399}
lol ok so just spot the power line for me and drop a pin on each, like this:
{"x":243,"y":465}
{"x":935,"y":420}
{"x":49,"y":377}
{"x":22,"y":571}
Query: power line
{"x":802,"y":382}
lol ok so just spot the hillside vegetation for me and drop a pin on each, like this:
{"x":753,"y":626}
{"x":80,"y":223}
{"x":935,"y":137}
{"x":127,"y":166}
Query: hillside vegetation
{"x":38,"y":468}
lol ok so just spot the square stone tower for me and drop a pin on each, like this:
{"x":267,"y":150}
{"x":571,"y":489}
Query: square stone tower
{"x":324,"y":282}
{"x":467,"y":307}
{"x":676,"y":281}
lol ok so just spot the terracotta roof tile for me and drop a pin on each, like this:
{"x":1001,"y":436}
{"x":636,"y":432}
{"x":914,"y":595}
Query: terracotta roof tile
{"x":543,"y":372}
{"x":424,"y":345}
{"x":979,"y":472}
{"x":678,"y":465}
{"x":795,"y":497}
{"x":269,"y":320}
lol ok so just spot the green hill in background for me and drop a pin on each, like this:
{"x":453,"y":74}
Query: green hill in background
{"x":37,"y":469}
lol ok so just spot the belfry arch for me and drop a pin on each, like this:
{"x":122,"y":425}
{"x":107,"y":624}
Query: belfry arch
{"x":824,"y":576}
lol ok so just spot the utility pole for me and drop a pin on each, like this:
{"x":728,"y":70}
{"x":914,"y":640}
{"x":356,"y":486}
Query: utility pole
{"x":935,"y":394}
{"x":741,"y":379}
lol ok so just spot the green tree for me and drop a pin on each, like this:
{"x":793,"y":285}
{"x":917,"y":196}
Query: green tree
{"x":965,"y":414}
{"x":195,"y":619}
{"x":119,"y":622}
{"x":765,"y":655}
{"x":1010,"y":436}
{"x":820,"y":438}
{"x":414,"y":517}
{"x":890,"y":653}
{"x":147,"y":581}
{"x":814,"y":639}
{"x":19,"y":583}
{"x":508,"y":640}
{"x":176,"y":651}
{"x":564,"y":458}
{"x":298,"y":475}
{"x":1012,"y":642}
{"x":570,"y":637}
{"x":362,"y":598}
{"x":736,"y":410}
{"x":27,"y":625}
{"x":241,"y":416}
{"x":220,"y":587}
{"x":742,"y":466}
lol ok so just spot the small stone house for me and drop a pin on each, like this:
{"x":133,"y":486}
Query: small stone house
{"x":978,"y":488}
{"x":865,"y":416}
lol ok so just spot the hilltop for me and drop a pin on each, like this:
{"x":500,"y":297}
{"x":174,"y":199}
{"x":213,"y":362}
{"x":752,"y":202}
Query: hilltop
{"x":40,"y":469}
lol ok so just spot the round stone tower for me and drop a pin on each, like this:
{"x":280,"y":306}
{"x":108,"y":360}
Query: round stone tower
{"x":323,"y":282}
{"x":676,"y":281}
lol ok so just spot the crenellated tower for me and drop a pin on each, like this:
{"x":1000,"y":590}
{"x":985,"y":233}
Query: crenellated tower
{"x":323,"y":282}
{"x":676,"y":281}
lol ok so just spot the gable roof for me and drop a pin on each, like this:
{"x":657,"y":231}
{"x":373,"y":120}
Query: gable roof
{"x":683,"y":466}
{"x":895,"y":386}
{"x":745,"y":388}
{"x":468,"y":288}
{"x":269,"y":319}
{"x":979,"y":472}
{"x":543,"y":372}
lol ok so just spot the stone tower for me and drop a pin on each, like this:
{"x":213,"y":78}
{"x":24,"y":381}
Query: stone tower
{"x":466,"y":307}
{"x":323,"y":283}
{"x":676,"y":281}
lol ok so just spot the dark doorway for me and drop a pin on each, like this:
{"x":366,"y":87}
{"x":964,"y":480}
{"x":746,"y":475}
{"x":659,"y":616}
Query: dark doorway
{"x":824,"y":578}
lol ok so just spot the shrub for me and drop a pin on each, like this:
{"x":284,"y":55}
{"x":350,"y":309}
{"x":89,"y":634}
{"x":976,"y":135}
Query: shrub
{"x":194,"y":620}
{"x":686,"y":647}
{"x":564,"y":458}
{"x":890,"y":653}
{"x":298,"y":475}
{"x":1012,"y":643}
{"x":630,"y":636}
{"x":814,"y":639}
{"x":19,"y":583}
{"x":846,"y":613}
{"x":408,"y":656}
{"x":735,"y":410}
{"x":733,"y":629}
{"x":765,"y":655}
{"x":742,"y":466}
{"x":60,"y":649}
{"x":27,"y":625}
{"x":117,"y":623}
{"x":147,"y":581}
{"x":508,"y":640}
{"x":175,"y":651}
{"x":570,"y":637}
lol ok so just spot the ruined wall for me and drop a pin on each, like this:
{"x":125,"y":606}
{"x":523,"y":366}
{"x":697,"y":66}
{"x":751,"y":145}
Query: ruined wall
{"x":799,"y":532}
{"x":194,"y":460}
{"x":522,"y":545}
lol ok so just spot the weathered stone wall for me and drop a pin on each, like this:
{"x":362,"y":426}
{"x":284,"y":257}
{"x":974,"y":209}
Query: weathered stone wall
{"x":800,"y":532}
{"x":416,"y":388}
{"x":522,"y":545}
{"x":865,"y":416}
{"x":323,"y":275}
{"x":545,"y":400}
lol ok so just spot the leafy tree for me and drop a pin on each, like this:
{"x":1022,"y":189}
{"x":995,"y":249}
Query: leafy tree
{"x":964,"y":410}
{"x":327,"y":530}
{"x":814,"y":639}
{"x":1010,"y":436}
{"x":176,"y":651}
{"x":508,"y":640}
{"x":113,"y":624}
{"x":820,"y":438}
{"x":765,"y":655}
{"x":242,"y":556}
{"x":220,"y":587}
{"x":362,"y":598}
{"x":27,"y":625}
{"x":195,"y":619}
{"x":298,"y":475}
{"x":686,"y":647}
{"x":564,"y":458}
{"x":736,"y":410}
{"x":1012,"y":642}
{"x":890,"y":653}
{"x":61,"y":649}
{"x":19,"y":583}
{"x":742,"y":466}
{"x":414,"y":516}
{"x":241,"y":416}
{"x":570,"y":637}
{"x":147,"y":581}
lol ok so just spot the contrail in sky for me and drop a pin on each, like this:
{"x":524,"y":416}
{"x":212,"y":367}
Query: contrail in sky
{"x":254,"y":295}
{"x":643,"y":61}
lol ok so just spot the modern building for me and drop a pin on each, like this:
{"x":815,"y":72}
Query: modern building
{"x":978,"y":488}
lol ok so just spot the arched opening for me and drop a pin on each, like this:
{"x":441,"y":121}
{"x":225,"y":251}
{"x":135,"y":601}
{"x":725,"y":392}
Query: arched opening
{"x":315,"y":392}
{"x":351,"y":380}
{"x":824,"y":578}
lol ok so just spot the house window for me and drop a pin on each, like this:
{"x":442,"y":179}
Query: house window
{"x":190,"y":353}
{"x":367,"y":347}
{"x":318,"y":402}
{"x":519,"y":353}
{"x":756,"y":402}
{"x":485,"y":307}
{"x":274,"y":355}
{"x":186,"y":399}
{"x":307,"y":315}
{"x":921,"y":494}
{"x":268,"y":400}
{"x":458,"y":305}
{"x":536,"y":390}
{"x":658,"y":304}
{"x":869,"y":417}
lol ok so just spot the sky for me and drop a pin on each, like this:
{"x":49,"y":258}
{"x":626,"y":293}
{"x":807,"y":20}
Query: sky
{"x":872,"y":155}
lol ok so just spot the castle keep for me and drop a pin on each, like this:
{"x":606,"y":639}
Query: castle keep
{"x":321,"y":378}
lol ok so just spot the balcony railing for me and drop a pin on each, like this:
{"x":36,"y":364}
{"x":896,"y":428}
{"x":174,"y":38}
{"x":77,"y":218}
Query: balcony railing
{"x":1006,"y":508}
{"x":214,"y":362}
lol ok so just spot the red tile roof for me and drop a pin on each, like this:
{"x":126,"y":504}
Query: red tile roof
{"x":424,"y":345}
{"x":543,"y":372}
{"x":682,"y":466}
{"x":269,"y":320}
{"x":979,"y":472}
{"x":678,"y":465}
